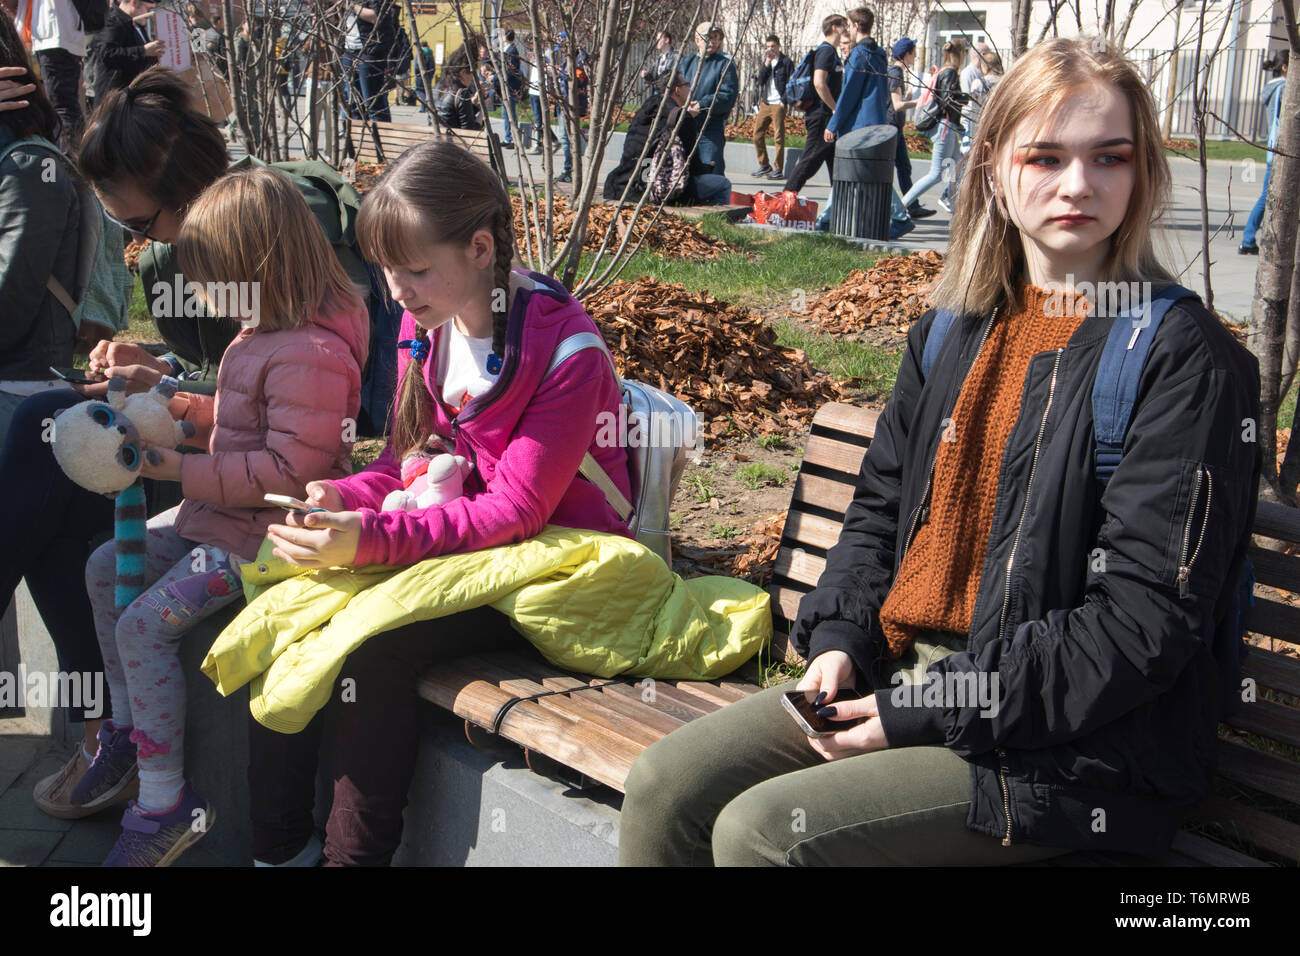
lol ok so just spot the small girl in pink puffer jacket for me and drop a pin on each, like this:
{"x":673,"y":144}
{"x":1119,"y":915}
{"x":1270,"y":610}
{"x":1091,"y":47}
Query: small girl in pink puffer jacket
{"x":288,"y":392}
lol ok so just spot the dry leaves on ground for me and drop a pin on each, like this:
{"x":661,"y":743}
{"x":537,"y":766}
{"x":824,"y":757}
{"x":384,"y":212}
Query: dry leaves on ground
{"x":750,"y":559}
{"x":794,"y":126}
{"x":131,"y":254}
{"x":721,"y":359}
{"x":895,"y":291}
{"x":670,"y":235}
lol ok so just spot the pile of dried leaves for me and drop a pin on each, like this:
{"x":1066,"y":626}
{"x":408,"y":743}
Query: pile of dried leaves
{"x":670,"y":235}
{"x":722,"y":360}
{"x":892,"y":292}
{"x":131,"y":254}
{"x":750,"y":559}
{"x":794,"y":126}
{"x":367,"y":175}
{"x":1182,"y":145}
{"x":917,"y":142}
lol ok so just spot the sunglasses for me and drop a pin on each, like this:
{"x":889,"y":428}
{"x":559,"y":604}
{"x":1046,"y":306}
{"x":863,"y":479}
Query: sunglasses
{"x":143,"y":233}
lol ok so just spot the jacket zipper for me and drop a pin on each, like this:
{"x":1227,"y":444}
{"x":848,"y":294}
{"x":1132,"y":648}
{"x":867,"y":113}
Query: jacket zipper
{"x":922,"y":510}
{"x":1003,"y":770}
{"x":1184,"y":561}
{"x":1029,"y":486}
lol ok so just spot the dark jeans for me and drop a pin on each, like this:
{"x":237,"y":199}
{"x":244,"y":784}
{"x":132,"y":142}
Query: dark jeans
{"x":903,"y":163}
{"x":61,"y":72}
{"x":47,"y":526}
{"x":375,"y":735}
{"x":365,"y":89}
{"x":815,"y":151}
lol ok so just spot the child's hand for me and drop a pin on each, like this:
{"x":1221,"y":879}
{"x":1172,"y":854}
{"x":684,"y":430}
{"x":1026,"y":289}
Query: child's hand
{"x":318,"y":540}
{"x":323,"y":494}
{"x":161,"y":463}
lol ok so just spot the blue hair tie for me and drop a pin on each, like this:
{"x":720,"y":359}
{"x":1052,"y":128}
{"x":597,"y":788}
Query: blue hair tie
{"x":419,"y":348}
{"x":494,"y":364}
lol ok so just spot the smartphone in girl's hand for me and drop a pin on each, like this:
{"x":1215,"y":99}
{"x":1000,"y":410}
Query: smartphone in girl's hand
{"x":291,"y":504}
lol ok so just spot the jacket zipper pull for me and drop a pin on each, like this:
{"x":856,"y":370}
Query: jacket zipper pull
{"x":1184,"y":585}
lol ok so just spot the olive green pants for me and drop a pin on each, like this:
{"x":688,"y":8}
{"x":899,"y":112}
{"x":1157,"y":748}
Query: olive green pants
{"x":743,"y":787}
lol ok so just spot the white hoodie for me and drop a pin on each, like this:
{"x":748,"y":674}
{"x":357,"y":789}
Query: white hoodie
{"x":55,"y":25}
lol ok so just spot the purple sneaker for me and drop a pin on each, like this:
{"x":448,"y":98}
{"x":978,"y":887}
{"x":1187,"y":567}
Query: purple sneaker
{"x":157,"y":839}
{"x":111,"y":773}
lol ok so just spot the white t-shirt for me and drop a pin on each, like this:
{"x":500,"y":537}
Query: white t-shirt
{"x":535,"y":80}
{"x":55,"y":26}
{"x":773,"y":96}
{"x":462,"y":366}
{"x":352,"y":40}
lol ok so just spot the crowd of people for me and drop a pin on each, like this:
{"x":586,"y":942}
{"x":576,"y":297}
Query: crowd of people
{"x":943,"y":569}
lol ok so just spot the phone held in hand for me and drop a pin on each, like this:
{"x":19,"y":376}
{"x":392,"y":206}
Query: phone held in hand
{"x":799,"y":705}
{"x":291,"y":504}
{"x":78,"y":376}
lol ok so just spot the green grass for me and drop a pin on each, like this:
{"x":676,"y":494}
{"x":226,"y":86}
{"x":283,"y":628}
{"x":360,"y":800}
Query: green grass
{"x":873,"y":367}
{"x":1286,"y":415}
{"x":756,"y":474}
{"x":772,"y":442}
{"x":1226,"y":149}
{"x":701,"y":486}
{"x":764,"y":268}
{"x":725,"y":531}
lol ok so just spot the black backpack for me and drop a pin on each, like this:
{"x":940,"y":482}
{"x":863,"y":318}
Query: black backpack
{"x":799,"y":90}
{"x":93,"y":14}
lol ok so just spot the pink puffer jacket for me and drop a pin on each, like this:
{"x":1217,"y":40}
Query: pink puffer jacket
{"x":526,"y":436}
{"x":278,"y":421}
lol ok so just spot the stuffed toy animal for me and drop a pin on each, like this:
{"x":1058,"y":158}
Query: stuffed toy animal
{"x":100,"y":446}
{"x":429,"y":480}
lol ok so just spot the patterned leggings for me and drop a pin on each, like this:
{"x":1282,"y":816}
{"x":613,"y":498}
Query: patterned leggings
{"x":141,"y":644}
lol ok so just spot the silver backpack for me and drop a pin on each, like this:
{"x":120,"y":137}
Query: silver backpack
{"x":658,"y":430}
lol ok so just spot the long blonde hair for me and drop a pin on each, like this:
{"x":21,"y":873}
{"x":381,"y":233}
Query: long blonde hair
{"x":253,"y":226}
{"x":986,"y":257}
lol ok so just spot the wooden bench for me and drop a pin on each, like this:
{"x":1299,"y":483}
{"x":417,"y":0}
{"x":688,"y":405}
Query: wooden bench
{"x":598,"y":731}
{"x":380,"y":142}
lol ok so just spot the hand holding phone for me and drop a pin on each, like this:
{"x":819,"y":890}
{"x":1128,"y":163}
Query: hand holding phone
{"x":78,"y":376}
{"x":799,"y":704}
{"x":291,"y":504}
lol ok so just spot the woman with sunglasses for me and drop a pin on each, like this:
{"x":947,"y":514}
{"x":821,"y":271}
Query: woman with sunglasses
{"x":148,"y":153}
{"x":38,"y":242}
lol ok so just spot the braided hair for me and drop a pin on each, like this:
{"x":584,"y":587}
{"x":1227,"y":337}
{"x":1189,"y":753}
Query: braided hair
{"x":436,"y":192}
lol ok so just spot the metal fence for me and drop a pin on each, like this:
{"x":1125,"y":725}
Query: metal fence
{"x":1236,"y":82}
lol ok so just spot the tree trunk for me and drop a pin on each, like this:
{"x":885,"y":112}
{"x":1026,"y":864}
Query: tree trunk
{"x":1275,"y":298}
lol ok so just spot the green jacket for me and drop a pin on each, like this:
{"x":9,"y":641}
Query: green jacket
{"x":595,"y":603}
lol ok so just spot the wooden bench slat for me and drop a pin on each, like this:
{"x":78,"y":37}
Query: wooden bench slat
{"x":853,"y":419}
{"x":600,"y":756}
{"x":705,"y":692}
{"x":668,"y":707}
{"x":585,"y":707}
{"x":1277,"y":570}
{"x":1274,"y":670}
{"x":692,"y":703}
{"x":1255,"y":826}
{"x":1277,"y":521}
{"x":1261,"y":771}
{"x":837,"y":455}
{"x":786,"y":602}
{"x":810,"y":529}
{"x":1269,"y":719}
{"x":1274,"y":619}
{"x":648,"y":717}
{"x":829,"y":493}
{"x":799,"y":565}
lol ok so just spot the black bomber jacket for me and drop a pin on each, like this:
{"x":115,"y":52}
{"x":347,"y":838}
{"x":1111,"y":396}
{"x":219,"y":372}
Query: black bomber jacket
{"x":1105,"y":730}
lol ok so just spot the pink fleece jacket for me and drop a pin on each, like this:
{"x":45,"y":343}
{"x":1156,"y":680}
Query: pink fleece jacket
{"x":526,"y":437}
{"x":277,"y":422}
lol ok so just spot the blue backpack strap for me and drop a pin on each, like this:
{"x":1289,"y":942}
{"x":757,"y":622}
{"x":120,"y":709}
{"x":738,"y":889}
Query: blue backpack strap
{"x":1114,"y":391}
{"x":943,"y":320}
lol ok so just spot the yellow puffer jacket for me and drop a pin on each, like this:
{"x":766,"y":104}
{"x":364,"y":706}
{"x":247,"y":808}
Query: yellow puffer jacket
{"x":596,"y":603}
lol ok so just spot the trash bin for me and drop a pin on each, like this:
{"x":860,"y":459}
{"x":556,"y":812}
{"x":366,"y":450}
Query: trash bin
{"x":863,"y":182}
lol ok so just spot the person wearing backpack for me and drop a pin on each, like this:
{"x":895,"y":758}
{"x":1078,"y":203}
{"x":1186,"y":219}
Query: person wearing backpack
{"x":770,"y":82}
{"x":827,"y":79}
{"x":56,"y":31}
{"x":1020,"y":622}
{"x":942,"y":115}
{"x":487,"y":385}
{"x":147,"y":181}
{"x":40,"y":209}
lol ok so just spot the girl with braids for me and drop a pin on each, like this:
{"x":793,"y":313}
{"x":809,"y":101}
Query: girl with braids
{"x":477,"y":379}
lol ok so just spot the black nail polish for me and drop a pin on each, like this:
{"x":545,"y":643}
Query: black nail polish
{"x":821,"y":696}
{"x":827,"y":711}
